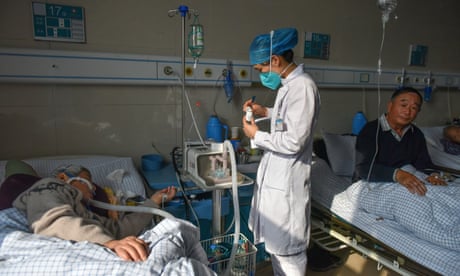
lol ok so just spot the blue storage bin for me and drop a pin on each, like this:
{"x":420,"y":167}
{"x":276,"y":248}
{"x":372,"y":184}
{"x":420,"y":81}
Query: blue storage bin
{"x":203,"y":208}
{"x":152,"y":162}
{"x":176,"y":208}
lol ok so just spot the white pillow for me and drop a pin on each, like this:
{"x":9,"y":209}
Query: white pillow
{"x":433,"y":136}
{"x":100,"y":167}
{"x":340,"y":151}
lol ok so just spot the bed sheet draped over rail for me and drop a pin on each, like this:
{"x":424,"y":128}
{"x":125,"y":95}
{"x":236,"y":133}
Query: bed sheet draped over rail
{"x":343,"y":200}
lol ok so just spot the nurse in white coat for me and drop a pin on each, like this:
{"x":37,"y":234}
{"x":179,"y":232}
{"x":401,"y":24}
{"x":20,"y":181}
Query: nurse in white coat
{"x":280,"y":208}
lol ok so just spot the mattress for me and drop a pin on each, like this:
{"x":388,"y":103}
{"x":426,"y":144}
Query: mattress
{"x":328,"y":190}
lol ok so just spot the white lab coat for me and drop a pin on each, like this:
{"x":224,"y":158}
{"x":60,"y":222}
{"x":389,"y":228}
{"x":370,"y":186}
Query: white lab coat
{"x":280,"y":207}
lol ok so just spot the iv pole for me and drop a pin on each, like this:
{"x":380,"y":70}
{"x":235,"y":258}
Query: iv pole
{"x":184,"y":11}
{"x":217,"y":193}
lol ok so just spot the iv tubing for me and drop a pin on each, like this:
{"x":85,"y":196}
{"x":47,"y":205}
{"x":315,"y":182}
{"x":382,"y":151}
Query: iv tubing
{"x":185,"y":93}
{"x":379,"y":71}
{"x":187,"y":201}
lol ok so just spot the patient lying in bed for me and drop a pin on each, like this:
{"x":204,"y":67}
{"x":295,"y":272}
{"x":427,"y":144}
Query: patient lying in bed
{"x":56,"y":208}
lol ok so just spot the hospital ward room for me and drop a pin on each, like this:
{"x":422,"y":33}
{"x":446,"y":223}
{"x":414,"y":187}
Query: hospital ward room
{"x":200,"y":137}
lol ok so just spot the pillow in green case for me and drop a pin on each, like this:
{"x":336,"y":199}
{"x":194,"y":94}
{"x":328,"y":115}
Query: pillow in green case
{"x":18,"y":167}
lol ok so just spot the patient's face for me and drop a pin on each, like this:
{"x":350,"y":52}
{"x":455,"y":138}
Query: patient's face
{"x":403,"y":109}
{"x":453,"y":134}
{"x":83,"y":187}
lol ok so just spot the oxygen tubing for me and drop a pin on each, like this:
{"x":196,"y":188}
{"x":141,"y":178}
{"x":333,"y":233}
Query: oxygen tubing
{"x":138,"y":209}
{"x":236,"y":205}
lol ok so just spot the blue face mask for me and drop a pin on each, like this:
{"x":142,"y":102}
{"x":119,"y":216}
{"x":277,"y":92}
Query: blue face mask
{"x":270,"y":80}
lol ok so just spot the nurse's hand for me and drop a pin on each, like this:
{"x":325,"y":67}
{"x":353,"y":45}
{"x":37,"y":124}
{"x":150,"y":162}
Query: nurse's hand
{"x":250,"y":129}
{"x":257,"y":109}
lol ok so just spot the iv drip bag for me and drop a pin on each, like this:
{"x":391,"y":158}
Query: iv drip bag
{"x":195,"y":39}
{"x":387,"y":7}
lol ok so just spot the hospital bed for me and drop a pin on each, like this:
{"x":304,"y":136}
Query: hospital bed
{"x":22,"y":252}
{"x":337,"y":222}
{"x":439,"y":157}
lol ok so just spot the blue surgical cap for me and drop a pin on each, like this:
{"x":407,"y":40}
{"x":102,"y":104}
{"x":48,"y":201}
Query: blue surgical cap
{"x":283,"y":40}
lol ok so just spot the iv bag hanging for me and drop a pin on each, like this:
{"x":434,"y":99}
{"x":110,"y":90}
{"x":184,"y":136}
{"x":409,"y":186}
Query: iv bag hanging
{"x":195,"y":39}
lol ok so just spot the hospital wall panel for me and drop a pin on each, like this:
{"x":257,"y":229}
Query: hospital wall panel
{"x":56,"y":117}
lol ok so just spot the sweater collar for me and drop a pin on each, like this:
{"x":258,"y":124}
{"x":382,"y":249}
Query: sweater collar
{"x":386,"y":127}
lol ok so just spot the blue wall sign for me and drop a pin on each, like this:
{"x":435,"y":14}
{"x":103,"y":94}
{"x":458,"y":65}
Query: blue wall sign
{"x":58,"y":22}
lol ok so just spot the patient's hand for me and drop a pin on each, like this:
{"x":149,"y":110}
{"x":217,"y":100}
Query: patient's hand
{"x":436,"y":180}
{"x":163,"y":195}
{"x":129,"y":248}
{"x":411,"y":182}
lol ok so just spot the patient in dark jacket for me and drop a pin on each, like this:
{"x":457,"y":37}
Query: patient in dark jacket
{"x":392,"y":149}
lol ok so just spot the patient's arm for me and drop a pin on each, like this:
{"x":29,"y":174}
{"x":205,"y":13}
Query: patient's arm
{"x":415,"y":181}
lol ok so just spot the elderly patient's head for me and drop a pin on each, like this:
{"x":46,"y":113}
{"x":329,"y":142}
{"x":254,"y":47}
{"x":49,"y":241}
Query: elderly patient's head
{"x":402,"y":109}
{"x":452,"y":133}
{"x":77,"y":176}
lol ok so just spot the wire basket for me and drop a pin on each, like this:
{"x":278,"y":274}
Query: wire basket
{"x":219,"y":250}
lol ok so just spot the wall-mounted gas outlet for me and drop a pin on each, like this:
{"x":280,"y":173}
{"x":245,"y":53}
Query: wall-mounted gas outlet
{"x":399,"y":79}
{"x":168,"y":70}
{"x":207,"y":72}
{"x":243,"y":74}
{"x":188,"y":71}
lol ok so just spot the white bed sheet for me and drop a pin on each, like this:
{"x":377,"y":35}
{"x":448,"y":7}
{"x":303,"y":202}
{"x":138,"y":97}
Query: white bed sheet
{"x":329,"y":191}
